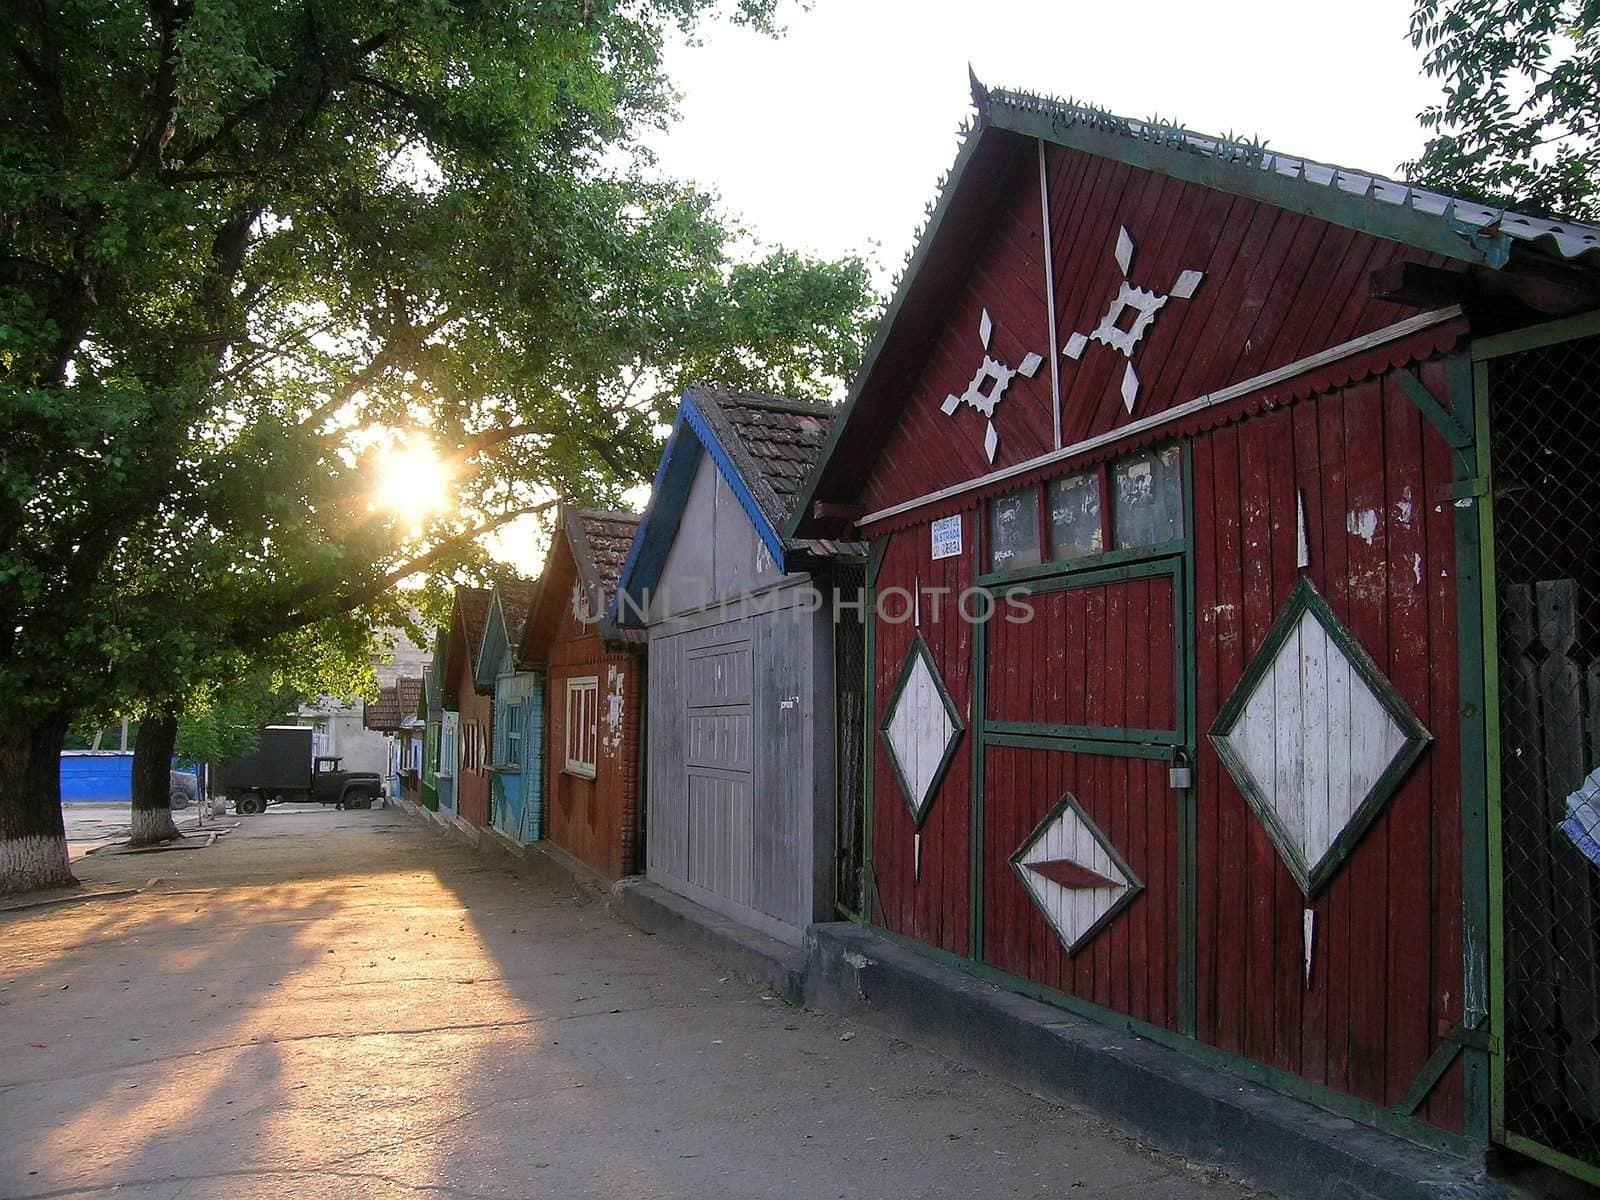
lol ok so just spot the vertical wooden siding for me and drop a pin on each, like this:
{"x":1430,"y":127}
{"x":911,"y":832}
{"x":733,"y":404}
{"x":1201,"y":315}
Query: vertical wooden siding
{"x":1277,"y":287}
{"x":1386,"y":971}
{"x":733,"y":765}
{"x":930,"y":904}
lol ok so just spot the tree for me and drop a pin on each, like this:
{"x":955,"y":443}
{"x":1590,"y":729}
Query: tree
{"x":248,"y":248}
{"x":1519,"y":125}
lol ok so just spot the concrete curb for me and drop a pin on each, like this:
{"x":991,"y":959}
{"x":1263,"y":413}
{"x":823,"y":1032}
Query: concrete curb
{"x":76,"y":898}
{"x":744,"y":951}
{"x":1159,"y":1095}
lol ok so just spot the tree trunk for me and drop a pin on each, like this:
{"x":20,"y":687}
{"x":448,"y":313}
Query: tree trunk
{"x":152,"y":780}
{"x":33,"y":840}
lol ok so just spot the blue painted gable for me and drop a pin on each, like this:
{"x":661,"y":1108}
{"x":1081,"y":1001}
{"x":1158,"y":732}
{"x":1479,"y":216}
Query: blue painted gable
{"x":691,"y":436}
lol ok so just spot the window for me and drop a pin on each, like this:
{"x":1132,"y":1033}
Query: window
{"x":583,"y":713}
{"x":514,"y":735}
{"x":1014,"y":531}
{"x":1146,"y":498}
{"x":473,"y":746}
{"x":1133,"y":504}
{"x":1074,"y":507}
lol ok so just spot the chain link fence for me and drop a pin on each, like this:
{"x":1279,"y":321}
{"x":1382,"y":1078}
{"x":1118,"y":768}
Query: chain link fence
{"x":1545,"y":430}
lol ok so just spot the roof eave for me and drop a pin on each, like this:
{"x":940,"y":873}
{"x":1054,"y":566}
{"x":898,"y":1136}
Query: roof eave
{"x":1360,"y":211}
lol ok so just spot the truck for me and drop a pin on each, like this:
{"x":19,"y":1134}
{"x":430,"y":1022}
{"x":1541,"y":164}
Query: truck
{"x":284,"y":769}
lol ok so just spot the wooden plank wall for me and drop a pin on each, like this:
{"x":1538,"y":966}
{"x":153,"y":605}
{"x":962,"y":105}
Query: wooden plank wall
{"x":1096,"y":655}
{"x":930,"y":904}
{"x":1277,"y":287}
{"x":737,"y":777}
{"x":1386,"y":969}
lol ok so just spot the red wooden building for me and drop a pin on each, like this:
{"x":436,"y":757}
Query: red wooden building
{"x":465,"y":755}
{"x":1197,"y":424}
{"x":594,"y":683}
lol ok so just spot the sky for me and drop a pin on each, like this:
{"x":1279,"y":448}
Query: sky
{"x":831,"y":138}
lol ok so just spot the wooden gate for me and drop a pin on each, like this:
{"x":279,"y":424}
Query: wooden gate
{"x":1084,"y":710}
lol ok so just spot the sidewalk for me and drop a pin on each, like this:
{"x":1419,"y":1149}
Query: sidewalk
{"x":351,"y":1004}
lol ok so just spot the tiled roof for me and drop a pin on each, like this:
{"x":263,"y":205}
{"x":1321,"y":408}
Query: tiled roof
{"x":394,"y":704}
{"x":773,"y":441}
{"x":409,"y":688}
{"x":607,"y":536}
{"x":473,"y":604}
{"x":516,"y":600}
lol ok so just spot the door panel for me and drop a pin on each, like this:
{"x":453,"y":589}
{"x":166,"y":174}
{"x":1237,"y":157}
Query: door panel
{"x":1085,"y":706}
{"x":1118,"y":949}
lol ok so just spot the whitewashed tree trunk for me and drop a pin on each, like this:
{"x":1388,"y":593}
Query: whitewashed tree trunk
{"x":33,"y":841}
{"x":152,"y":781}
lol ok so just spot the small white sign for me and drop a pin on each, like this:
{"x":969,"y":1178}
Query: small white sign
{"x":947,"y":537}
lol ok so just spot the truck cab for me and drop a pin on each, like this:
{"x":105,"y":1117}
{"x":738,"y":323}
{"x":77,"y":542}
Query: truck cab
{"x":330,"y":784}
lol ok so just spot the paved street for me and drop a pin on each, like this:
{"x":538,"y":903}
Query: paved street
{"x":345,"y":1004}
{"x":93,"y":825}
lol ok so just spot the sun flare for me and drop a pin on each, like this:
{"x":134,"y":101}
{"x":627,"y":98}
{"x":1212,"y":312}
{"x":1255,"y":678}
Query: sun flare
{"x":413,"y":480}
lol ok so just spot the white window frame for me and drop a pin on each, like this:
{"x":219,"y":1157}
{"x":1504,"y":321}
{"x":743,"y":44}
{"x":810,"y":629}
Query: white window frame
{"x":583,"y":726}
{"x":514,"y":735}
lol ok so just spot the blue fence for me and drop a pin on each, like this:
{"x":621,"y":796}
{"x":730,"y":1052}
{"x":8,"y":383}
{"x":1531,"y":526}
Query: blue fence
{"x":96,"y":776}
{"x":102,"y":776}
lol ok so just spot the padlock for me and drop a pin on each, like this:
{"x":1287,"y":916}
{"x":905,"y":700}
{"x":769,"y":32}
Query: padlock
{"x":1180,"y":775}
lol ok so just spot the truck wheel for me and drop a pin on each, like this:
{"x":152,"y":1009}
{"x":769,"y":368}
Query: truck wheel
{"x":178,"y":800}
{"x":249,"y":805}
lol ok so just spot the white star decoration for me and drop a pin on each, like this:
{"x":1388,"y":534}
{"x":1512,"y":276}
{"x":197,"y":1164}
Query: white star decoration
{"x":999,"y":376}
{"x":1143,"y":303}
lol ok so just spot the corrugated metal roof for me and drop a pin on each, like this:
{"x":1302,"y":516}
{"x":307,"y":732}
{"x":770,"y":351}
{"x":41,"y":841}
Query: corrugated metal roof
{"x":1571,"y":240}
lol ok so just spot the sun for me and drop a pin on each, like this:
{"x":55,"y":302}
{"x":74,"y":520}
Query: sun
{"x":413,"y":480}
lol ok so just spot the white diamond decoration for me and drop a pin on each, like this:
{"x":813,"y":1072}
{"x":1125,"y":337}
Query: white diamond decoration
{"x":1312,"y":742}
{"x":1072,"y":873}
{"x":921,"y":730}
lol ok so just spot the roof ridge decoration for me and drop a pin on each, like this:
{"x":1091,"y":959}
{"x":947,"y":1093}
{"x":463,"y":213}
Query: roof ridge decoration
{"x":1482,"y":233}
{"x":1449,"y":226}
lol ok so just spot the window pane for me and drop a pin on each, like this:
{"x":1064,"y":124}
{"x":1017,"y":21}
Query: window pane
{"x":1014,"y":531}
{"x":1074,"y":504}
{"x":1147,"y":498}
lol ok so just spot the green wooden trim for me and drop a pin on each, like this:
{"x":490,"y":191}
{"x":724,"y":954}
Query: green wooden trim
{"x":1475,"y":626}
{"x":1271,"y":1078}
{"x":1312,"y":877}
{"x":1437,"y":415}
{"x":1057,"y":567}
{"x":1453,"y":1043}
{"x":977,"y":765}
{"x":1086,"y":572}
{"x":1533,"y":337}
{"x":1576,"y":1167}
{"x":1072,"y":745}
{"x":1134,"y":886}
{"x":1187,"y":618}
{"x":1104,"y":733}
{"x":919,"y":805}
{"x":1493,"y":816}
{"x":869,"y":881}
